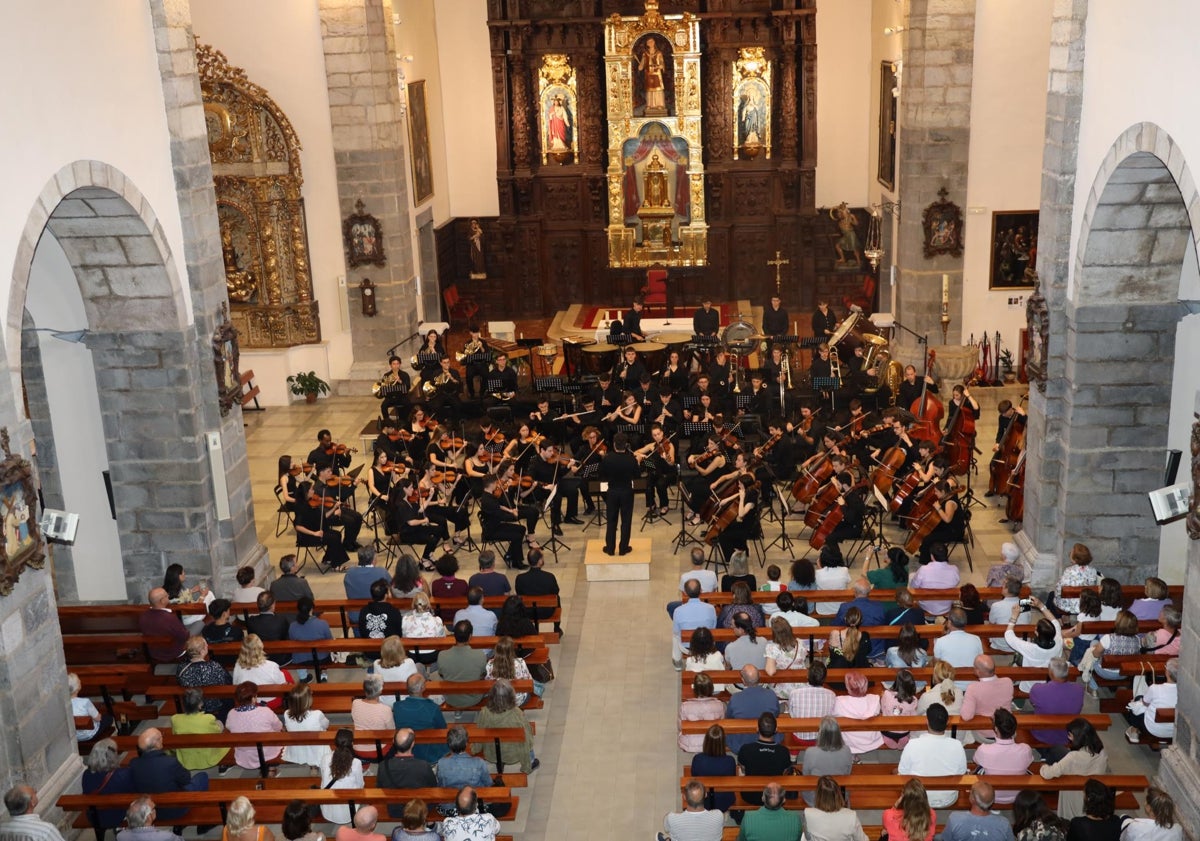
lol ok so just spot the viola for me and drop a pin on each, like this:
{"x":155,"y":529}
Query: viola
{"x":419,"y":493}
{"x":494,"y":437}
{"x":705,"y":457}
{"x":430,"y":424}
{"x":339,"y":482}
{"x":401,"y":435}
{"x":315,"y":501}
{"x":297,"y":469}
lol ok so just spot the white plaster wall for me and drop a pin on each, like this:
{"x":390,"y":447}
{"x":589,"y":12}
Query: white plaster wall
{"x":469,"y":108}
{"x":83,"y":84}
{"x":290,"y":66}
{"x":844,"y":103}
{"x":1008,"y":108}
{"x":54,"y":302}
{"x":416,"y":36}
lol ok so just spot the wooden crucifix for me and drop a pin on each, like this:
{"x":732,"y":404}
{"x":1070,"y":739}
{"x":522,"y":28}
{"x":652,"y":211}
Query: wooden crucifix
{"x":779,"y":262}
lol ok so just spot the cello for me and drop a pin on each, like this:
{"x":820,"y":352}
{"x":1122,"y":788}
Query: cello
{"x":1014,"y":509}
{"x":929,"y":519}
{"x":1012,"y":445}
{"x":730,"y":508}
{"x":833,"y":518}
{"x":959,"y":440}
{"x":927,"y":409}
{"x":814,"y":473}
{"x":883,"y":475}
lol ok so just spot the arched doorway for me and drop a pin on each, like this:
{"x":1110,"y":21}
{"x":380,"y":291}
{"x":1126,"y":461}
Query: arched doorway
{"x":155,"y":388}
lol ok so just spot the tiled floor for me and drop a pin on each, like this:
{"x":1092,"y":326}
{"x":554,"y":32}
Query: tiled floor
{"x":606,"y":738}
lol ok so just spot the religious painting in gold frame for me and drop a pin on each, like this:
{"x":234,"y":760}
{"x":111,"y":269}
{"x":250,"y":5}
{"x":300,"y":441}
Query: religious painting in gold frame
{"x":21,"y":543}
{"x":656,"y":213}
{"x":557,"y":110}
{"x":751,"y":104}
{"x":418,"y":136}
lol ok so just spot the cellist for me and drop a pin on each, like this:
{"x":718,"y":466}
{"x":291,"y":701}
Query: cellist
{"x":745,"y":525}
{"x":951,"y":520}
{"x":852,"y":500}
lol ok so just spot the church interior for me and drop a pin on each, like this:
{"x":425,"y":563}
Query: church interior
{"x":773,"y":281}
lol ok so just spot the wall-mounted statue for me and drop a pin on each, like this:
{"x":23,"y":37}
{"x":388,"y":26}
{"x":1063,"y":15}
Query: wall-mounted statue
{"x":558,"y":106}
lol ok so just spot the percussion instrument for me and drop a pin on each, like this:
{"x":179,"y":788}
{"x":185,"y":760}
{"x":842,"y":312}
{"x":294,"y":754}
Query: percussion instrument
{"x":740,"y":337}
{"x":652,"y":354}
{"x":547,"y":353}
{"x":676,"y":342}
{"x":599,"y":357}
{"x":852,"y":331}
{"x":572,"y":353}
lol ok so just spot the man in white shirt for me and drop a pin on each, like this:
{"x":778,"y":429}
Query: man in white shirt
{"x":1001,"y":612}
{"x":795,"y":610}
{"x":469,"y":824}
{"x":695,"y":823}
{"x":934,"y":754}
{"x":956,"y":646}
{"x":24,"y":823}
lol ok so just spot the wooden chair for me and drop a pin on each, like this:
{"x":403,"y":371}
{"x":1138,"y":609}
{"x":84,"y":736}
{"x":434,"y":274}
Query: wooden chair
{"x":460,"y":309}
{"x":654,"y":293}
{"x":283,"y":515}
{"x":864,"y":299}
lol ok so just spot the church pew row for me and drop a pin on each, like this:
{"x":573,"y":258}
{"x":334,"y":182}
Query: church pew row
{"x":879,"y":790}
{"x":1129,"y":593}
{"x":382,"y":740}
{"x":336,"y":698}
{"x":875,"y":675}
{"x":113,"y":649}
{"x":511,"y":779}
{"x":107,"y":619}
{"x":719,"y":600}
{"x":1026,"y":722}
{"x":891,"y":632}
{"x":212,"y":807}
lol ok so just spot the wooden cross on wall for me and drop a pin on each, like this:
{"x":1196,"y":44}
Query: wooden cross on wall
{"x":779,"y":262}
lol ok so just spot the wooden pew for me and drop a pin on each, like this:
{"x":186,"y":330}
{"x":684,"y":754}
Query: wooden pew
{"x":1129,"y":593}
{"x":891,"y":632}
{"x":875,"y":675}
{"x":892,"y":723}
{"x":719,"y":600}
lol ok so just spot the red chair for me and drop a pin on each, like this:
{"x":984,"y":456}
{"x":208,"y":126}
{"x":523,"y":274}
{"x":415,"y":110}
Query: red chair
{"x":459,"y":309}
{"x":865,"y":299}
{"x":654,"y":293}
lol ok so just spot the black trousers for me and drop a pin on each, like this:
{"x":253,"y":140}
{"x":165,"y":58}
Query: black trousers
{"x":511,"y":533}
{"x":620,"y":502}
{"x":658,"y":483}
{"x":431,"y":535}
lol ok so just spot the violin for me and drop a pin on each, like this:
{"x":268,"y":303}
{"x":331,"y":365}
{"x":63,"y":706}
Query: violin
{"x":339,"y":450}
{"x":419,"y":493}
{"x":766,"y":446}
{"x":430,"y":424}
{"x":315,"y":501}
{"x":297,"y":469}
{"x":402,"y":435}
{"x":705,"y":457}
{"x":494,"y":437}
{"x":339,"y":482}
{"x":440,"y":476}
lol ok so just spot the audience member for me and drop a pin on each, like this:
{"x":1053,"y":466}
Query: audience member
{"x":1080,"y":573}
{"x":538,"y":581}
{"x":359,"y":579}
{"x":300,"y":717}
{"x":771,"y":822}
{"x":942,"y":690}
{"x":956,"y":646}
{"x":1097,"y":823}
{"x":416,"y":712}
{"x":830,"y":575}
{"x":1143,"y":711}
{"x":703,"y":655}
{"x":1160,"y":824}
{"x":873,"y":612}
{"x":462,"y":664}
{"x":938,"y":574}
{"x":24,"y":823}
{"x":828,"y":819}
{"x":714,"y":760}
{"x":934,"y":754}
{"x":194,"y":720}
{"x":694,"y":823}
{"x":289,"y":587}
{"x":765,"y":756}
{"x":483,"y":621}
{"x":249,"y":716}
{"x":692,"y":614}
{"x":362,"y":828}
{"x":1165,"y":640}
{"x":500,"y":710}
{"x":469,"y":822}
{"x":492,"y":583}
{"x":308,"y":627}
{"x":139,"y":820}
{"x":380,"y":618}
{"x":784,"y":652}
{"x":103,"y":774}
{"x":911,"y":818}
{"x":850,"y":647}
{"x":160,"y":621}
{"x":1001,"y":611}
{"x":341,"y":769}
{"x":908,"y":652}
{"x":830,"y":756}
{"x":153,"y":771}
{"x":422,"y":623}
{"x":1033,"y":820}
{"x":1057,"y":696}
{"x":987,"y":694}
{"x":899,"y":700}
{"x":811,"y":700}
{"x":1047,"y":640}
{"x":84,"y":707}
{"x":1155,"y":596}
{"x":702,"y":707}
{"x":297,"y":823}
{"x":458,"y":768}
{"x":394,"y":665}
{"x":240,"y":824}
{"x":403,"y":770}
{"x":269,"y":626}
{"x":246,"y":591}
{"x":906,"y":610}
{"x":370,"y":712}
{"x":221,"y":629}
{"x":754,"y":700}
{"x":253,"y":665}
{"x":742,"y":602}
{"x":748,"y":649}
{"x":856,"y":703}
{"x":980,"y":823}
{"x":413,"y":825}
{"x":795,"y":610}
{"x":1004,"y":756}
{"x":1086,"y":757}
{"x":1010,"y":566}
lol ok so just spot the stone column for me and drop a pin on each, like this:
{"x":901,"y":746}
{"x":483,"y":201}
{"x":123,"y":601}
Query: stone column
{"x":1179,"y":770}
{"x":369,"y":152}
{"x":934,"y":147}
{"x":1040,"y":538}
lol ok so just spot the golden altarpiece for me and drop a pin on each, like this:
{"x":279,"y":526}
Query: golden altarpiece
{"x":655,"y":153}
{"x":256,"y":171}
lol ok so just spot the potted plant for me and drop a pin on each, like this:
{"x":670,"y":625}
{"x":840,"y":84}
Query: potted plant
{"x":1006,"y":363}
{"x":309,"y":385}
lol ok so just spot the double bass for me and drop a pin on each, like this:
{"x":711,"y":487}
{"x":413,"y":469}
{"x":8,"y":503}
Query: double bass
{"x":1012,"y":446}
{"x":927,"y":409}
{"x":959,"y":440}
{"x":1014,"y":509}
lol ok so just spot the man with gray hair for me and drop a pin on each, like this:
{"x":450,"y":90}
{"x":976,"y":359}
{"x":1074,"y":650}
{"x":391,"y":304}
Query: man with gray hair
{"x":403,"y":770}
{"x":459,"y":768}
{"x":699,"y":571}
{"x":140,"y":820}
{"x":160,"y":621}
{"x":1058,"y":696}
{"x":487,"y":579}
{"x":692,"y":614}
{"x":1000,"y":612}
{"x":289,"y":587}
{"x":873,"y":613}
{"x":359,"y":579}
{"x":469,"y":823}
{"x":1010,"y":566}
{"x":362,"y":828}
{"x":980,"y":823}
{"x":694,"y":823}
{"x":154,"y":771}
{"x":772,"y":821}
{"x":417,"y":712}
{"x":24,"y":824}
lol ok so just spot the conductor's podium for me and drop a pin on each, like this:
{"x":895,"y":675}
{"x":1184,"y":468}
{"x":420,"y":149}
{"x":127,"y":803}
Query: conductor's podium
{"x":632,"y":567}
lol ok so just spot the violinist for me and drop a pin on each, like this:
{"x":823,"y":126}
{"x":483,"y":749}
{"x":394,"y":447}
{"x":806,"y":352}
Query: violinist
{"x":777,"y":454}
{"x":478,"y":466}
{"x":852,"y":500}
{"x":490,"y":435}
{"x":394,"y":388}
{"x":318,"y":520}
{"x":522,"y":448}
{"x":418,"y":426}
{"x":910,"y":389}
{"x":476,"y":354}
{"x":629,"y":370}
{"x":951,"y":520}
{"x":707,"y":464}
{"x":388,"y":440}
{"x":514,"y":491}
{"x":662,"y":471}
{"x":287,"y":483}
{"x":500,"y":524}
{"x":745,"y":525}
{"x":437,"y":491}
{"x":666,"y":411}
{"x":502,"y":380}
{"x":673,"y":375}
{"x":326,"y":453}
{"x":619,"y":469}
{"x":550,"y":474}
{"x":381,"y":477}
{"x":429,"y":355}
{"x":728,"y":437}
{"x":587,"y":453}
{"x":446,"y":454}
{"x":706,"y":321}
{"x":408,"y":521}
{"x":806,"y":432}
{"x":606,"y":394}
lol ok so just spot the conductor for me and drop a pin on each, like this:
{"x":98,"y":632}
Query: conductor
{"x":619,"y":468}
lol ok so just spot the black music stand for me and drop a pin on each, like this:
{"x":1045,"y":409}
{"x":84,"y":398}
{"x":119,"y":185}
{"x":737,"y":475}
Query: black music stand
{"x":811,"y":342}
{"x":632,"y":429}
{"x":828,"y":384}
{"x":685,"y":537}
{"x":741,"y":401}
{"x":548,"y":384}
{"x":593,"y":488}
{"x":690,"y":429}
{"x":428,"y":358}
{"x":688,"y":401}
{"x":784,"y":542}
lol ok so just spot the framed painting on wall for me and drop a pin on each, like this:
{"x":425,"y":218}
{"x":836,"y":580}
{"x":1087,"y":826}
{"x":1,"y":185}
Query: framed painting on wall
{"x":1014,"y":248}
{"x":888,"y":89}
{"x":418,"y":136}
{"x":21,"y":542}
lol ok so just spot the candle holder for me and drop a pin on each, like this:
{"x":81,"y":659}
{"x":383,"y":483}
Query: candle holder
{"x":945,"y":327}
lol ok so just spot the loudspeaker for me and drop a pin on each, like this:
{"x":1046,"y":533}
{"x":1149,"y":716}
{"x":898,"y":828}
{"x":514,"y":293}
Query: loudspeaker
{"x":1172,"y":467}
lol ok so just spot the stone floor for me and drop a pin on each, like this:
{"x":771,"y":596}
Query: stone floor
{"x":606,"y":737}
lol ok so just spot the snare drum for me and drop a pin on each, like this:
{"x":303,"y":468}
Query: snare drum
{"x":598,"y":358}
{"x":652,"y":354}
{"x":677,"y":342}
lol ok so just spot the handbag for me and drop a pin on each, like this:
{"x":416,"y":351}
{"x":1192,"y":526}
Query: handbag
{"x":542,"y":672}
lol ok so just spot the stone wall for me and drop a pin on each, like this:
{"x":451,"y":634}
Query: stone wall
{"x":369,"y":137}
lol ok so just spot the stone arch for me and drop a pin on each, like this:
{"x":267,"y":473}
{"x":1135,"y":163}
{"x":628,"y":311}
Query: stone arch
{"x":1122,"y":316}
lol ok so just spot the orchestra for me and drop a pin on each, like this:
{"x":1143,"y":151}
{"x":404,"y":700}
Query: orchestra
{"x":830,"y":457}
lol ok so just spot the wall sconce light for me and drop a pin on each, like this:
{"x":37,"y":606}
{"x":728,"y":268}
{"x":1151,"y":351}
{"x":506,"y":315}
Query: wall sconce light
{"x":894,"y":30}
{"x":368,"y":297}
